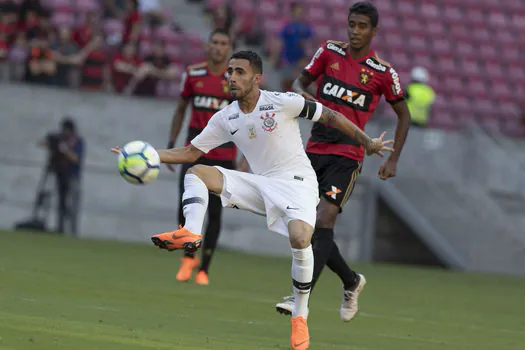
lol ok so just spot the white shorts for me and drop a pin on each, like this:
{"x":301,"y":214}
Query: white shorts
{"x":280,"y":200}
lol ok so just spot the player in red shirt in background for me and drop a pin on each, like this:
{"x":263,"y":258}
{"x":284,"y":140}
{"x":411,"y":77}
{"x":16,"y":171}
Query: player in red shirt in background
{"x":205,"y":88}
{"x":351,"y":80}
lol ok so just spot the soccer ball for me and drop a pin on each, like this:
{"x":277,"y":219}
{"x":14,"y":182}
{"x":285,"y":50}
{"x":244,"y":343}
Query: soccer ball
{"x":138,"y":162}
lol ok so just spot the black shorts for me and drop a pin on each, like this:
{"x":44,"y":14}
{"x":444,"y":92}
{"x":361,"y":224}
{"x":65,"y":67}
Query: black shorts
{"x":336,"y":175}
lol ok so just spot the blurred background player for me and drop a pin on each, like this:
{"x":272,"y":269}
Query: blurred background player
{"x":419,"y":96}
{"x":205,"y":87}
{"x":351,"y":80}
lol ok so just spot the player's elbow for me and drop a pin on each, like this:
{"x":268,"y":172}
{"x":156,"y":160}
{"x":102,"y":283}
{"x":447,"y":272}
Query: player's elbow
{"x":193,"y":153}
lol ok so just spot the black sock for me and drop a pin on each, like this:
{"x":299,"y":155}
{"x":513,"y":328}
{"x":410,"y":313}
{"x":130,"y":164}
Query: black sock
{"x":213,"y":230}
{"x":337,"y":264}
{"x":322,"y":246}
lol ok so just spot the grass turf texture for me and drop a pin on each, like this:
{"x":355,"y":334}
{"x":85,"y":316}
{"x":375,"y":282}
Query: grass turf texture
{"x":63,"y":293}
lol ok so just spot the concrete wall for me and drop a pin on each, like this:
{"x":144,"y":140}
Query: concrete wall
{"x":112,"y":208}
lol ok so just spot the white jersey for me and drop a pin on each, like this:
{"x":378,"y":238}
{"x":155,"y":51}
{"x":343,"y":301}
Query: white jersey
{"x":269,"y":136}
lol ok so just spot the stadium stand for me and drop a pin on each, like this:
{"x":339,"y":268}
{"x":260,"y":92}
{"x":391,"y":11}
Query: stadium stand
{"x":469,"y":46}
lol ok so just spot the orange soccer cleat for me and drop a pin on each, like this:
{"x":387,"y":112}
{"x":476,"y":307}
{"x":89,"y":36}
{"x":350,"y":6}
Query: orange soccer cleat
{"x":300,"y":339}
{"x":202,"y":278}
{"x":186,"y":268}
{"x":178,"y":239}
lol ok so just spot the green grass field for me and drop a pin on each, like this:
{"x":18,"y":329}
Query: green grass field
{"x":63,"y":293}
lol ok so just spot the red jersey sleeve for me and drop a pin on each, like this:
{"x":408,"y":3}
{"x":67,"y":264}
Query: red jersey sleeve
{"x":391,"y":86}
{"x":185,"y":86}
{"x":316,"y":67}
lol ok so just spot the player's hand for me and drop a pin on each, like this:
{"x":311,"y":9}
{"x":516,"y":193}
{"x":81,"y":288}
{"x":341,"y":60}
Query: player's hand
{"x":308,"y":97}
{"x":388,"y":169}
{"x":378,"y":146}
{"x":116,"y":150}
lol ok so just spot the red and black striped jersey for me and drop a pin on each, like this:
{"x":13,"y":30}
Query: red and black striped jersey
{"x":207,"y":93}
{"x":351,"y":87}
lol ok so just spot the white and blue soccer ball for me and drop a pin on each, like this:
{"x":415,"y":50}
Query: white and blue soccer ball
{"x":138,"y":162}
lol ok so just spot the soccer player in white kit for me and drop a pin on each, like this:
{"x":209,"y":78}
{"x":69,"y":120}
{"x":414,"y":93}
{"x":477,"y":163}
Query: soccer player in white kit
{"x":283,"y":186}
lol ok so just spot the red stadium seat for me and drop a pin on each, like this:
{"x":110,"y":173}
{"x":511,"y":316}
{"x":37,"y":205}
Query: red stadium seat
{"x":454,"y":84}
{"x":406,"y":7}
{"x":465,"y":49}
{"x":498,"y":20}
{"x":435,"y":29}
{"x":452,"y":14}
{"x":430,"y":11}
{"x":469,"y":67}
{"x":476,"y":89}
{"x":441,"y":47}
{"x":501,"y":91}
{"x":475,"y":17}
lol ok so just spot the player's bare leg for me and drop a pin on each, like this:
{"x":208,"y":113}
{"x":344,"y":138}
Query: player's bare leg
{"x":326,"y":253}
{"x":198,"y":180}
{"x":302,"y":272}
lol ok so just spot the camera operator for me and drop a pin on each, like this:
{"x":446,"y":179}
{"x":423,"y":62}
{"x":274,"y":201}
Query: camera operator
{"x":66,"y":150}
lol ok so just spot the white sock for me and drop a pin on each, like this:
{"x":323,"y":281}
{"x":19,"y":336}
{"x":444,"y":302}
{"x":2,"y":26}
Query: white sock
{"x":302,"y":274}
{"x":194,"y":203}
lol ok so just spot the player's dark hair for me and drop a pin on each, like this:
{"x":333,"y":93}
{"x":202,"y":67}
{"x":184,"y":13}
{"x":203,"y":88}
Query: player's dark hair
{"x":252,"y":57}
{"x":367,"y":9}
{"x":219,"y":31}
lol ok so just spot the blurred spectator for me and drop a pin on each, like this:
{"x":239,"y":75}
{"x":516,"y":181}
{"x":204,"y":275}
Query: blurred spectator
{"x":224,"y":17}
{"x":43,"y":27}
{"x":41,"y":67}
{"x":292,"y":74}
{"x":65,"y":54}
{"x":132,"y":22}
{"x":125,"y":66}
{"x":114,"y":8}
{"x":85,"y":33}
{"x":420,"y":97}
{"x":155,"y":67}
{"x":152,"y":12}
{"x":94,"y":73}
{"x":293,"y":37}
{"x":8,"y":24}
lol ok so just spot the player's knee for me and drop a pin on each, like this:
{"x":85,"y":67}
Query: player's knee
{"x":198,"y":170}
{"x":300,"y":241}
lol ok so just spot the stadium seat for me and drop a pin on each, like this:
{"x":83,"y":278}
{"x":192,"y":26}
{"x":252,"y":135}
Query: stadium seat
{"x":430,"y":11}
{"x":500,"y":90}
{"x":435,"y":29}
{"x":469,"y":67}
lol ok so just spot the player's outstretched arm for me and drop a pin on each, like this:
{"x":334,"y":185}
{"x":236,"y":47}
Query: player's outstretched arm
{"x":338,"y":121}
{"x":181,"y":155}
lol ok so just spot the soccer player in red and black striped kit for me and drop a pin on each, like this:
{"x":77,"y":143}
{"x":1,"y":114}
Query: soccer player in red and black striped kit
{"x":350,"y":79}
{"x":205,"y":88}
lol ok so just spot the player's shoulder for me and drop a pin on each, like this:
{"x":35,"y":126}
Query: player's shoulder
{"x":230,"y":112}
{"x":197,"y":69}
{"x":275,"y":97}
{"x":338,"y":47}
{"x":375,"y":63}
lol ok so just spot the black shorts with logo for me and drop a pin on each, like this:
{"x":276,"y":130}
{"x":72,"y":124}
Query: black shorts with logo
{"x":336,"y":175}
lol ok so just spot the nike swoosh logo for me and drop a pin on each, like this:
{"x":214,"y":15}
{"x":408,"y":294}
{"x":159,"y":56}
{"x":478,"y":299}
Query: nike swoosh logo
{"x":233,"y":132}
{"x":290,"y":208}
{"x":307,"y":110}
{"x":299,"y":344}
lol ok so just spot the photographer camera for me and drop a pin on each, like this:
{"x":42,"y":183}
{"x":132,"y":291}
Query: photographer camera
{"x":66,"y":150}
